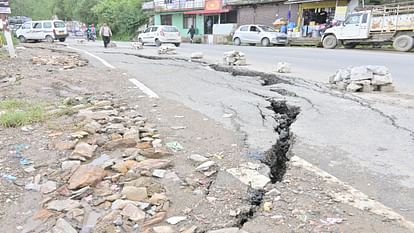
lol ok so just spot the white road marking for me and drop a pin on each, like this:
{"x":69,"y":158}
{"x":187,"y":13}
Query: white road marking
{"x":105,"y":63}
{"x":352,"y":196}
{"x":144,"y":88}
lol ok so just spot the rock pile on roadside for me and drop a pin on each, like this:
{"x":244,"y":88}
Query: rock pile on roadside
{"x":363,"y":79}
{"x":234,"y":58}
{"x":168,"y":49}
{"x":67,"y":62}
{"x":109,"y":181}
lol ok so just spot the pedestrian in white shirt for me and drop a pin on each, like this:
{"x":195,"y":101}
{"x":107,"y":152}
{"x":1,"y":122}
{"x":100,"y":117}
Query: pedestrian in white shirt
{"x":106,"y":34}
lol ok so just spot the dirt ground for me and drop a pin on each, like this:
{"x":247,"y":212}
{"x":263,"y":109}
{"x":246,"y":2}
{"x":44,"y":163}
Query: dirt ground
{"x":203,"y":201}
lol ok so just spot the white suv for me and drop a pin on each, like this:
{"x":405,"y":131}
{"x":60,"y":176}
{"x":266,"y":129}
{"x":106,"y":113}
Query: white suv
{"x":160,"y":34}
{"x":49,"y":30}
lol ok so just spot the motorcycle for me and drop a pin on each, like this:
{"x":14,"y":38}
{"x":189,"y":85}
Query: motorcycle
{"x":91,"y":36}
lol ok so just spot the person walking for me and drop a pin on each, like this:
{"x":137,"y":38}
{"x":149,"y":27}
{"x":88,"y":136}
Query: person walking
{"x":106,"y":34}
{"x":192,"y":32}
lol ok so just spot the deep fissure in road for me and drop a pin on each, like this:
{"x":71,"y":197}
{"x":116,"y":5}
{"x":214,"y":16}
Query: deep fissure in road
{"x":277,"y":157}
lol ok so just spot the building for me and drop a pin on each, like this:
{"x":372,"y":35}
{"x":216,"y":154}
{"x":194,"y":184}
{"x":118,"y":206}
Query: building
{"x":303,"y":17}
{"x":203,"y":14}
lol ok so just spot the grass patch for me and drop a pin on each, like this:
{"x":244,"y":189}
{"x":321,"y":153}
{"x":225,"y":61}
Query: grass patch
{"x":15,"y":113}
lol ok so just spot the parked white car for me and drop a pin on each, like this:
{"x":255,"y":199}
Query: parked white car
{"x":259,"y":34}
{"x":49,"y":30}
{"x":160,"y":34}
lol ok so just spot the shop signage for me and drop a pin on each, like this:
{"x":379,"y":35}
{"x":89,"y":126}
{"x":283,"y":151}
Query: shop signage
{"x":4,"y":7}
{"x":212,"y":5}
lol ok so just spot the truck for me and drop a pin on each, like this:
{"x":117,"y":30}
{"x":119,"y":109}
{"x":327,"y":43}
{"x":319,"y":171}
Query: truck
{"x":378,"y":25}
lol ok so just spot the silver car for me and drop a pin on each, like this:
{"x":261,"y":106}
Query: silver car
{"x":259,"y":34}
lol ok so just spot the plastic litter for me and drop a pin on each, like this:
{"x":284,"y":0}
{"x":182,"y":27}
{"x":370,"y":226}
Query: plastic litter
{"x":174,"y":146}
{"x":9,"y":177}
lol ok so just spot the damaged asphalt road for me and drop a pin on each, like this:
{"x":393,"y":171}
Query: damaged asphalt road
{"x":367,"y":145}
{"x":233,"y":119}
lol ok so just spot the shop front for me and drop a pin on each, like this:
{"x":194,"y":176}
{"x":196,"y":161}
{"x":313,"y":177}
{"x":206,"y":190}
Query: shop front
{"x":314,"y":16}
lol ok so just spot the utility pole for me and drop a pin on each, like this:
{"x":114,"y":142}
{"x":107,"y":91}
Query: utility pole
{"x":4,"y":13}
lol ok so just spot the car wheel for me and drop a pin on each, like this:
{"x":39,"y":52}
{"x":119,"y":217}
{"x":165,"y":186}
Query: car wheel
{"x":49,"y":39}
{"x":177,"y":44}
{"x":330,"y":42}
{"x":62,"y":39}
{"x":237,"y":41}
{"x":141,"y":41}
{"x":158,"y":43}
{"x":22,"y":39}
{"x":265,"y":42}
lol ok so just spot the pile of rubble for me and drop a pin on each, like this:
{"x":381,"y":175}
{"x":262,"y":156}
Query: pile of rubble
{"x":68,"y":62}
{"x":234,"y":58}
{"x":109,"y":181}
{"x":363,"y":79}
{"x":168,"y":49}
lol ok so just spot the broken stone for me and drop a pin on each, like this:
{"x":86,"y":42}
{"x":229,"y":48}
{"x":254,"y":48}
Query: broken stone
{"x":158,"y":199}
{"x":84,"y":150}
{"x":120,"y":204}
{"x":132,"y":133}
{"x":92,"y":127}
{"x":175,"y":220}
{"x":79,"y":134}
{"x":249,"y":177}
{"x":67,"y":165}
{"x":62,"y":226}
{"x":121,"y":143}
{"x":205,"y":166}
{"x":283,"y":67}
{"x":48,"y":187}
{"x":43,"y":215}
{"x":135,"y":193}
{"x":86,"y":175}
{"x":228,"y":230}
{"x":151,"y":164}
{"x":76,"y":214}
{"x":63,"y":205}
{"x":62,"y":146}
{"x":387,"y":88}
{"x":133,"y":213}
{"x":125,"y":166}
{"x":198,"y":158}
{"x":157,"y":218}
{"x":353,"y":87}
{"x":163,"y":229}
{"x":159,"y":173}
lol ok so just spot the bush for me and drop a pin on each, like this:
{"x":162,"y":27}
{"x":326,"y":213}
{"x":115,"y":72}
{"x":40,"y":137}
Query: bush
{"x":15,"y":113}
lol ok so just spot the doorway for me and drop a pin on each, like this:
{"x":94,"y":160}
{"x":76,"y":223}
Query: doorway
{"x":209,"y":21}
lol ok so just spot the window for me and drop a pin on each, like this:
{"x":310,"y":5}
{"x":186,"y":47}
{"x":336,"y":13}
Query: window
{"x":364,"y":18}
{"x":154,"y":29}
{"x":37,"y":25}
{"x":166,"y":19}
{"x":26,"y":26}
{"x":189,"y":20}
{"x":254,"y":29}
{"x":147,"y":30}
{"x":353,"y":19}
{"x":267,"y":28}
{"x":244,"y":28}
{"x":59,"y":24}
{"x":47,"y":25}
{"x":168,"y":1}
{"x":170,"y":29}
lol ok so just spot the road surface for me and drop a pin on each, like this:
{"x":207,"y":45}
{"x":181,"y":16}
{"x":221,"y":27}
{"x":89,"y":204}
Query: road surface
{"x":366,"y":140}
{"x":315,"y":64}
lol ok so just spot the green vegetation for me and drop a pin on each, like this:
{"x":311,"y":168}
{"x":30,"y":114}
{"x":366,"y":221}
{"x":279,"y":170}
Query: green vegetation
{"x":123,"y":16}
{"x":15,"y":113}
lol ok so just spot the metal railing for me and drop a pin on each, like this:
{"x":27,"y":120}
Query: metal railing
{"x":176,"y":5}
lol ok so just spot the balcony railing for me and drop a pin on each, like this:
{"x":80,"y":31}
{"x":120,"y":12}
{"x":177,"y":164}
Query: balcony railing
{"x":177,"y":5}
{"x":247,"y":2}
